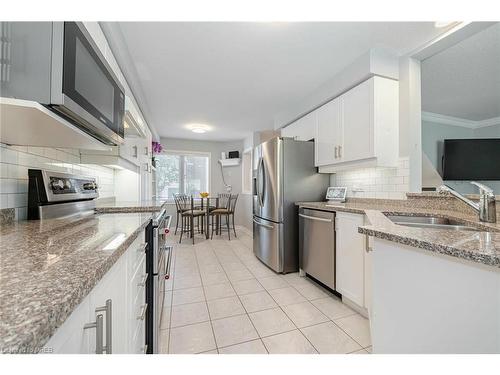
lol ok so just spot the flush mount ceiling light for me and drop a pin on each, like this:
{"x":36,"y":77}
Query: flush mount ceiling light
{"x":198,"y":128}
{"x":441,"y":24}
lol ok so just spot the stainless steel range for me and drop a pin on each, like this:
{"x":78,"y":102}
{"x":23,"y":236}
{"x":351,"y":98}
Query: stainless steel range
{"x":158,"y":260}
{"x":55,"y":195}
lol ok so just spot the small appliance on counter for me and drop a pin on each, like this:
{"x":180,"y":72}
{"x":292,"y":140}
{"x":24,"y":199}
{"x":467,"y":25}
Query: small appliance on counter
{"x":54,"y":195}
{"x":336,"y":194}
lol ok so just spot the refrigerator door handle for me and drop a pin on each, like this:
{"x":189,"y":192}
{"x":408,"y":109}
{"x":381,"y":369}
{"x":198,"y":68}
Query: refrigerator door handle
{"x":263,"y":225}
{"x":260,"y":173}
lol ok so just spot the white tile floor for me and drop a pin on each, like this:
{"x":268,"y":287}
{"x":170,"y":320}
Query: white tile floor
{"x":222,"y":299}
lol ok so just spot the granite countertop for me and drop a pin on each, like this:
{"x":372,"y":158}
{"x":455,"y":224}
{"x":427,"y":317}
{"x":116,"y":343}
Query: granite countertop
{"x":48,"y":267}
{"x":110,"y":206}
{"x":480,"y":247}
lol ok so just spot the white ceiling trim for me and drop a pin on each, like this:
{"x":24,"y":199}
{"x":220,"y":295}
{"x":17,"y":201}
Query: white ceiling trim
{"x":456,"y":121}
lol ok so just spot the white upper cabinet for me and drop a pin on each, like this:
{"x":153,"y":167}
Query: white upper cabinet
{"x":328,"y":140}
{"x":357,"y":124}
{"x":304,"y":129}
{"x":359,"y":128}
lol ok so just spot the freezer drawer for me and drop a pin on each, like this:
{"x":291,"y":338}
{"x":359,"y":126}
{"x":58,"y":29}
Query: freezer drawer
{"x":317,"y":245}
{"x":268,"y":243}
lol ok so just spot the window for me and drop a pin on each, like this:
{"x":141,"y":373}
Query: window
{"x":181,"y":173}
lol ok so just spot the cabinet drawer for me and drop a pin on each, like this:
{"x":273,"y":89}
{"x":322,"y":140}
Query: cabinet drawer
{"x":136,"y":253}
{"x":138,"y":279}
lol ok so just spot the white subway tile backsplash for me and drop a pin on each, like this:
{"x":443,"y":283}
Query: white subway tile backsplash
{"x":22,"y":186}
{"x":386,"y":183}
{"x":8,"y":186}
{"x":16,"y":160}
{"x":4,"y":201}
{"x":17,"y":200}
{"x":8,"y":156}
{"x":21,"y":213}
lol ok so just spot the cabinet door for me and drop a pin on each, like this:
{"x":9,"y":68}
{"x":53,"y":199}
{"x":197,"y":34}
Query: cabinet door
{"x":112,"y":287}
{"x":357,"y":122}
{"x":350,"y":257}
{"x":304,"y":129}
{"x":71,"y":338}
{"x":291,"y":130}
{"x":328,"y":133}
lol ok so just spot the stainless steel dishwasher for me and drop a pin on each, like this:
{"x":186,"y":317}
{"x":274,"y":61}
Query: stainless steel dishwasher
{"x":317,"y":245}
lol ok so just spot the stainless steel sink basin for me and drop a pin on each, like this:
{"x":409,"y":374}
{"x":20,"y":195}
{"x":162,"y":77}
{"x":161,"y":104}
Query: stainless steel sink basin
{"x":431,"y":222}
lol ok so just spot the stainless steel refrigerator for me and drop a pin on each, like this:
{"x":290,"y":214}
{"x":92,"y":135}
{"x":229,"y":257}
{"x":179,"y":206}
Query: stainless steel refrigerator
{"x":283,"y":174}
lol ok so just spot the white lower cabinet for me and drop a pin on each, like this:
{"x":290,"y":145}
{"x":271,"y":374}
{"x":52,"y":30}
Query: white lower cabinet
{"x":71,"y":338}
{"x":352,"y":261}
{"x":111,"y":319}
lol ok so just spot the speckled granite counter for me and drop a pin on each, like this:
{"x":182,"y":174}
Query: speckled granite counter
{"x":48,"y":267}
{"x":129,"y":206}
{"x":480,"y":247}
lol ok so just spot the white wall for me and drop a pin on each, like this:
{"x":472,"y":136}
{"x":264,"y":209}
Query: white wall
{"x":16,"y":160}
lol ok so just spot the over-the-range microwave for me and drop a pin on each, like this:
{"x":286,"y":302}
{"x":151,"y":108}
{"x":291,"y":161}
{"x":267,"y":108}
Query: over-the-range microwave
{"x":59,"y":65}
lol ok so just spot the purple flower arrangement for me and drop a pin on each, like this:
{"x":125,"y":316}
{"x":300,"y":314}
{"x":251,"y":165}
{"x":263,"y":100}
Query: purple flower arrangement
{"x":157,"y":147}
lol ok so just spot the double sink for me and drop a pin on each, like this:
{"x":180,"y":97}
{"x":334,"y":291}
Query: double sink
{"x":432,"y":222}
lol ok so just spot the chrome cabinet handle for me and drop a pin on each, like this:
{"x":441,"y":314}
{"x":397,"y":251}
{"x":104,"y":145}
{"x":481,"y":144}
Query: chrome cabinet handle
{"x":316,"y":218}
{"x":143,"y":280}
{"x":107,"y":308}
{"x":368,"y":248}
{"x":146,"y":150}
{"x":340,"y":151}
{"x":262,"y":224}
{"x":142,"y":315}
{"x":142,"y":247}
{"x":135,"y":151}
{"x":98,"y":325}
{"x":335,"y":152}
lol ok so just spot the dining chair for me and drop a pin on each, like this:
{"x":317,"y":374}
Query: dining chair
{"x":181,"y":197}
{"x":226,"y":208}
{"x":185,"y":204}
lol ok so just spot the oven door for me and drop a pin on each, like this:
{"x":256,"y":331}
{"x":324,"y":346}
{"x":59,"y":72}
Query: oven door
{"x":91,"y":94}
{"x":159,"y":292}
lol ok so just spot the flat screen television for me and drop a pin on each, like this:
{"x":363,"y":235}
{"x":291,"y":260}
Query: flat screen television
{"x":471,"y":159}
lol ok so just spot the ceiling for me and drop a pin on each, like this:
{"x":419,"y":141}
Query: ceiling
{"x":464,"y":80}
{"x":235,"y":77}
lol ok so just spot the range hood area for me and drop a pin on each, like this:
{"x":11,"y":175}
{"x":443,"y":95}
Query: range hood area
{"x":28,"y":123}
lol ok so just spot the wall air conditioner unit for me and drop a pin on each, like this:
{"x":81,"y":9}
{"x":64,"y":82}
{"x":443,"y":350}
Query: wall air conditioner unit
{"x":230,"y":162}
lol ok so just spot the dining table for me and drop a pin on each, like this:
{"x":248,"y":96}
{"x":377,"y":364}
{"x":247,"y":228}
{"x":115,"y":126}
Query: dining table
{"x":204,"y":204}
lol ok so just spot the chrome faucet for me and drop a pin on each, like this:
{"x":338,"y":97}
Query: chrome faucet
{"x":486,"y":208}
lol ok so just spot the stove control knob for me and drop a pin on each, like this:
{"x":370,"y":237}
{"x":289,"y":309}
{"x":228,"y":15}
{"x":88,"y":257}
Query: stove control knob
{"x":89,"y":186}
{"x":67,"y":184}
{"x":57,"y":184}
